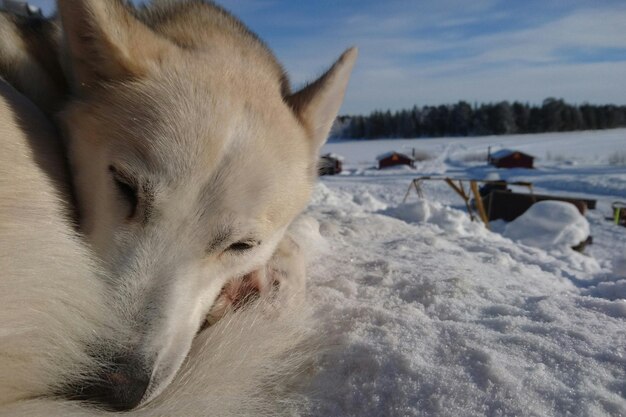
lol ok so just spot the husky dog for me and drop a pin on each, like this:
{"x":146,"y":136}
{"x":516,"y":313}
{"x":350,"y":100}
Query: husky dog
{"x":190,"y":158}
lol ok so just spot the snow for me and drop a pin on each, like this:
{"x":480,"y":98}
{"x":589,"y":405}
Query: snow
{"x":426,"y":313}
{"x":549,"y":225}
{"x":334,"y":156}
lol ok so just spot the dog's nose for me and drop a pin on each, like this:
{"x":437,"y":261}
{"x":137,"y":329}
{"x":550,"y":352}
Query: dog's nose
{"x":121,"y":387}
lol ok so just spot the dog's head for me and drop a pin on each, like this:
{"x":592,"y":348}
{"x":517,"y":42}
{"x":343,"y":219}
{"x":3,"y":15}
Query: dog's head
{"x":190,"y":158}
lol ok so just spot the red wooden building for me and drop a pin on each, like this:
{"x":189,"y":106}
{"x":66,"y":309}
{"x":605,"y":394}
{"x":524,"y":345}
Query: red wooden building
{"x":507,"y":158}
{"x":393,"y":158}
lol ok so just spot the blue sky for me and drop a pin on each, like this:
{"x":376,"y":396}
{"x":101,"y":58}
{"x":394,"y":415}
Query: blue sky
{"x":442,"y":51}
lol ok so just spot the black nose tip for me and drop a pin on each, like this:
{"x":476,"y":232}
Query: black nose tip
{"x":121,"y":387}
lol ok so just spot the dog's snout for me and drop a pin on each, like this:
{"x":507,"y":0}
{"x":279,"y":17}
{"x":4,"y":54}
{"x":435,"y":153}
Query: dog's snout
{"x":121,"y":387}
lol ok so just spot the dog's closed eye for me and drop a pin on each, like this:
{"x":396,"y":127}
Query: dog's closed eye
{"x":127,"y":190}
{"x":242,"y":246}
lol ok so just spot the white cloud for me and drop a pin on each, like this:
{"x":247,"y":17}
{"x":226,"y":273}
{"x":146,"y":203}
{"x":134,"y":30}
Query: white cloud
{"x":526,"y":64}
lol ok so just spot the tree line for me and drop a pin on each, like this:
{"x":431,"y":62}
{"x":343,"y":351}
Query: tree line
{"x":463,"y":119}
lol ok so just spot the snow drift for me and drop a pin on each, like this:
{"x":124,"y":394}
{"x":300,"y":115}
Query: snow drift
{"x":550,"y":225}
{"x":440,"y":317}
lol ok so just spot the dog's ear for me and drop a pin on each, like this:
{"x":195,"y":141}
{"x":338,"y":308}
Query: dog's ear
{"x":106,"y":42}
{"x":317,"y":104}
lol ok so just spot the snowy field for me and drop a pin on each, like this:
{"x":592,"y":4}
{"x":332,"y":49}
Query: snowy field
{"x":429,"y":314}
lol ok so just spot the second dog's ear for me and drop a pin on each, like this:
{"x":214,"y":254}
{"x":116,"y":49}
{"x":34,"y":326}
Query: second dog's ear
{"x":317,"y":104}
{"x":106,"y":42}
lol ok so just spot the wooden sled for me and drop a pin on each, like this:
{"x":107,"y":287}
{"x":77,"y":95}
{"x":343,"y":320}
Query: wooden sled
{"x":494,"y":200}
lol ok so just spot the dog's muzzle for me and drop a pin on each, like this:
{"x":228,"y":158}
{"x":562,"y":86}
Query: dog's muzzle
{"x":120,"y":387}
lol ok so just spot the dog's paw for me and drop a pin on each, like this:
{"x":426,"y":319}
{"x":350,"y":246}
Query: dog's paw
{"x":286,"y":271}
{"x":281,"y":281}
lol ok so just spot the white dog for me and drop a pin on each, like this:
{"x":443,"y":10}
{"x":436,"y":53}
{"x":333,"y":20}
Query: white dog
{"x":190,"y":158}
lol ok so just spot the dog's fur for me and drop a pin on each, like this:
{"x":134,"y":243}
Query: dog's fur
{"x":190,"y":158}
{"x":29,"y":59}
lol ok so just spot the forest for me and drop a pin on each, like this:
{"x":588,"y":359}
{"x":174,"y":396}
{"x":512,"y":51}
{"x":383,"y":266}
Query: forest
{"x":464,"y":119}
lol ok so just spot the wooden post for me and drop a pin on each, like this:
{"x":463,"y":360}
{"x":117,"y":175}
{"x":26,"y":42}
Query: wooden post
{"x":479,"y":203}
{"x":460,"y":190}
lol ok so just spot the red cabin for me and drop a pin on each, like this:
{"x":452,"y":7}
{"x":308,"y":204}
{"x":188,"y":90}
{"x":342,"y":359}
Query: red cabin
{"x":506,"y":158}
{"x":390,"y":159}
